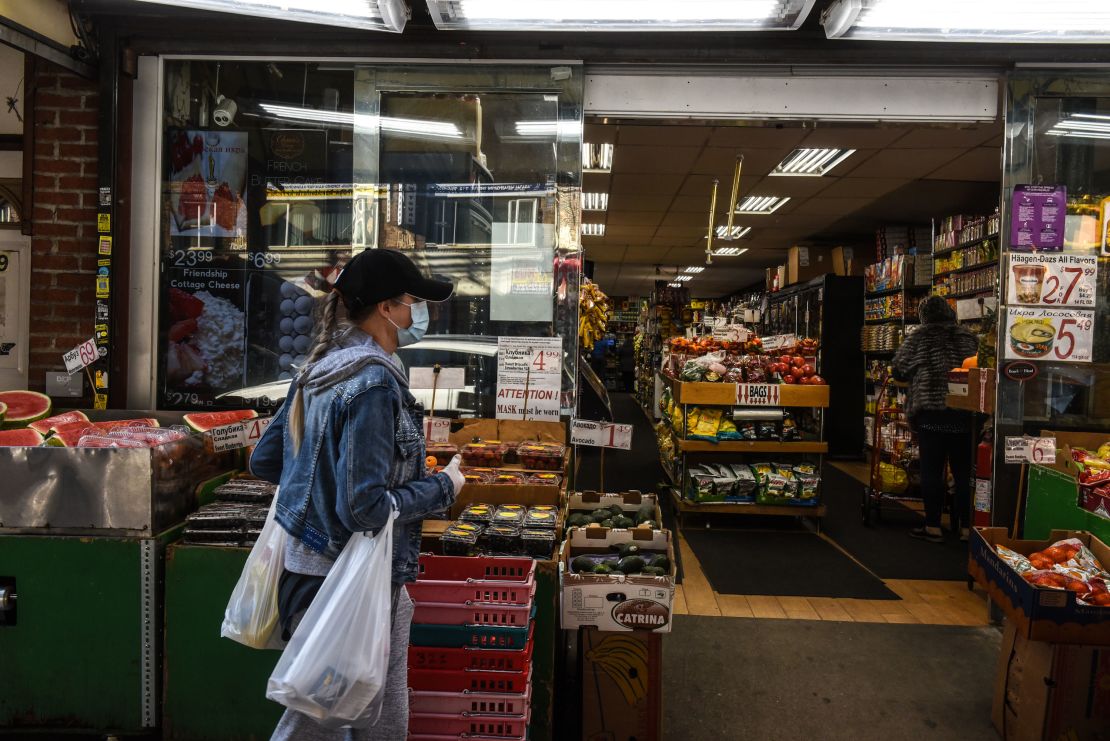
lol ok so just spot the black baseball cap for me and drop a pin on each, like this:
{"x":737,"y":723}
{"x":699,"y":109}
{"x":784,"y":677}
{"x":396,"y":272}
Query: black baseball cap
{"x":375,"y":275}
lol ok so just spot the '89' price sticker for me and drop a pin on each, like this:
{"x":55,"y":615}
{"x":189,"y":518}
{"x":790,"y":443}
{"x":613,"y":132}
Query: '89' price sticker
{"x":81,"y":356}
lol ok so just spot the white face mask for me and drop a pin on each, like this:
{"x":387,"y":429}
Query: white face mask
{"x":413,"y":333}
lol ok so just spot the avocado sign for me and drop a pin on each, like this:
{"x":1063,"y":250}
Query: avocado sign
{"x":641,"y":614}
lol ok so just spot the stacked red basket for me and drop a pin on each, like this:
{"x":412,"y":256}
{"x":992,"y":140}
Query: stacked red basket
{"x":470,"y":659}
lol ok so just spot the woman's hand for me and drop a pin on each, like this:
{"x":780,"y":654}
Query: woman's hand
{"x":453,"y":473}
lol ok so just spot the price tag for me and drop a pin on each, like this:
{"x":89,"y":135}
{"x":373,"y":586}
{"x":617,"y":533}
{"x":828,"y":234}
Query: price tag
{"x":436,"y":430}
{"x":1026,"y":449}
{"x":81,"y":356}
{"x":228,"y":437}
{"x":1062,"y":335}
{"x":601,"y":434}
{"x":758,"y":394}
{"x":253,"y":429}
{"x":1052,"y":280}
{"x":449,"y":378}
{"x":731,"y":332}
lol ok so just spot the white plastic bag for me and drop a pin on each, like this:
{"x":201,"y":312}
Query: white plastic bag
{"x":251,"y":616}
{"x":335,"y":666}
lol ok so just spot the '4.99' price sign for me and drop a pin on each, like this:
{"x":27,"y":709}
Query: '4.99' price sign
{"x":1060,"y":335}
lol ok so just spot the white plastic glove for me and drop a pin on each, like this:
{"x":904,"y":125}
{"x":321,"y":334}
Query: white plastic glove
{"x":453,"y":473}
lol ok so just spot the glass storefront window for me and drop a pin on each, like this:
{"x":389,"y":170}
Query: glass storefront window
{"x":275,"y":174}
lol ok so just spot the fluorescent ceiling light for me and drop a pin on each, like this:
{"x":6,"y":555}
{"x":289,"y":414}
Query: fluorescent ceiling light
{"x":595,"y":201}
{"x":683,"y":278}
{"x":597,"y":157}
{"x":418,"y":128}
{"x":593,"y":230}
{"x":737,"y":231}
{"x":674,"y":285}
{"x":1009,"y":21}
{"x":374,"y":15}
{"x":549,"y":129}
{"x":1082,"y":126}
{"x":761,"y":205}
{"x":729,"y":251}
{"x":812,"y":162}
{"x":694,"y":269}
{"x":619,"y":15}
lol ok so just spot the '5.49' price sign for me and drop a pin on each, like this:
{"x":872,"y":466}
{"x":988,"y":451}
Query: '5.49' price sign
{"x":1060,"y":335}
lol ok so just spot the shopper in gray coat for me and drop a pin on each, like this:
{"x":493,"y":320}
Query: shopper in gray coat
{"x":943,"y":434}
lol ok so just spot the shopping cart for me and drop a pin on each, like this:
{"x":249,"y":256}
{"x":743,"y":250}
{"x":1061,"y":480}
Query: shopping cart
{"x":897,"y":448}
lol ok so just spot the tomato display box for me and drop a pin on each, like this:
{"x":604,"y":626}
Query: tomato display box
{"x":616,"y":602}
{"x":1049,"y":615}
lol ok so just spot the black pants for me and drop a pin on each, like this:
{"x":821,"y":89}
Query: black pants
{"x":936,"y":447}
{"x":629,"y":378}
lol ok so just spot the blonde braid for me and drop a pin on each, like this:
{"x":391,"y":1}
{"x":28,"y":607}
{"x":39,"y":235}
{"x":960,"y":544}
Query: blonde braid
{"x":326,"y":324}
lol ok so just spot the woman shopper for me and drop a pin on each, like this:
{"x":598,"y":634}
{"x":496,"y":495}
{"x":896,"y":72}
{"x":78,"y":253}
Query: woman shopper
{"x":924,"y":360}
{"x":347,"y":448}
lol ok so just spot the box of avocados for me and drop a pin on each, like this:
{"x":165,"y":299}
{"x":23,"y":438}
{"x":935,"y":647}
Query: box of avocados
{"x":620,"y":510}
{"x":617,"y":580}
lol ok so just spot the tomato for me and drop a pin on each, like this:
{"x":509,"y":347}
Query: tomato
{"x":816,"y":380}
{"x":788,"y":379}
{"x":808,"y":370}
{"x":798,"y":361}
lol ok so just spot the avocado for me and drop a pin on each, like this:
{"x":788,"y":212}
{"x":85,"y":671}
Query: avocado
{"x":600,"y":514}
{"x":603,"y":569}
{"x":661,"y":562}
{"x":622,"y":521}
{"x":649,"y":524}
{"x":654,"y":571}
{"x":631,"y":565}
{"x":647,"y":512}
{"x":616,"y":509}
{"x":578,"y":520}
{"x":607,"y":523}
{"x":582,"y":565}
{"x":627,"y":549}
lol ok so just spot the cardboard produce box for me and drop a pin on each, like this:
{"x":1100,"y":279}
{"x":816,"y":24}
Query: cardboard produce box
{"x":628,"y":501}
{"x":1048,"y":691}
{"x":622,"y":685}
{"x":806,"y":263}
{"x":847,"y":261}
{"x":616,"y":602}
{"x":1051,"y":615}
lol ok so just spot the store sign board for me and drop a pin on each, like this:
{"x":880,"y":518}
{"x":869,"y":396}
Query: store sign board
{"x":529,"y":377}
{"x":1020,"y":370}
{"x":758,"y":394}
{"x":601,"y":434}
{"x":448,"y":378}
{"x":779,"y":341}
{"x":731,"y":333}
{"x":81,"y":356}
{"x":1027,"y":449}
{"x":1062,"y":335}
{"x":1037,"y":218}
{"x":1052,"y":280}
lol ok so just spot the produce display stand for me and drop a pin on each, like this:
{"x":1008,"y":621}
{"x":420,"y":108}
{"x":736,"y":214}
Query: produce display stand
{"x":83,"y":536}
{"x":731,"y":395}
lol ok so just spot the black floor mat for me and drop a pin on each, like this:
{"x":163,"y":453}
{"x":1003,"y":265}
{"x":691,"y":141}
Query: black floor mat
{"x":637,"y":468}
{"x":885,"y":547}
{"x":780,"y":563}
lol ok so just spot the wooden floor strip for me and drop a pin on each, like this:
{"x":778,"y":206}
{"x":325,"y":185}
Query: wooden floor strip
{"x":679,"y":606}
{"x":829,"y":608}
{"x":735,"y":605}
{"x":798,"y":608}
{"x":862,"y":610}
{"x":700,"y":599}
{"x":766,"y":607}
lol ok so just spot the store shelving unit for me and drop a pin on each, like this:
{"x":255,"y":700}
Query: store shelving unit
{"x":728,"y":394}
{"x":965,"y":262}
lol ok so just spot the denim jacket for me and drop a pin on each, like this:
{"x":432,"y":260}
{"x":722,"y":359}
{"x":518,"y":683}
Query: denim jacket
{"x":362,"y":453}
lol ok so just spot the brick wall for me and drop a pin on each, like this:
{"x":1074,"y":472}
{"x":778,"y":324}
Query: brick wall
{"x":63,"y":245}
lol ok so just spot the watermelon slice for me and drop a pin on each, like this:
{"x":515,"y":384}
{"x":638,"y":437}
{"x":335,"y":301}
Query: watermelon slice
{"x":24,"y":438}
{"x":3,"y":411}
{"x":44,"y":426}
{"x":24,"y":407}
{"x":204,"y":421}
{"x":69,"y":435}
{"x":118,"y":423}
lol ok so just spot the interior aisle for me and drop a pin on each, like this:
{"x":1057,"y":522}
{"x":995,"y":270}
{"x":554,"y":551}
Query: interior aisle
{"x":883,"y":553}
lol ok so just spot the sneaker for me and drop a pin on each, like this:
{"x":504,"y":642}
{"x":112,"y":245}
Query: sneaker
{"x":924,"y":534}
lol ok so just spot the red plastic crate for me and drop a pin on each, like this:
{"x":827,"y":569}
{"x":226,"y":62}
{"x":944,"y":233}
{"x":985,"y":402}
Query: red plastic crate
{"x":481,"y":659}
{"x":476,"y":613}
{"x":491,"y":726}
{"x":473,"y":703}
{"x":482,"y":568}
{"x":431,"y":680}
{"x":474,"y":590}
{"x":456,"y":737}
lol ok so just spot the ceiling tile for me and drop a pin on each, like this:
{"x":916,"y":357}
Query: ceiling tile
{"x":596,"y":182}
{"x":692,"y":204}
{"x":629,"y":232}
{"x":631,"y":218}
{"x":596,"y":133}
{"x":909,"y":164}
{"x":835,"y":206}
{"x":629,"y":184}
{"x":639,"y":203}
{"x":720,"y":162}
{"x":689,"y":219}
{"x":683,"y":240}
{"x":844,"y":137}
{"x":795,"y":188}
{"x":662,"y":136}
{"x":655,"y":159}
{"x":644,"y":255}
{"x":981,"y":164}
{"x":949,"y":136}
{"x":862,"y":187}
{"x":759,"y":137}
{"x":702,"y":185}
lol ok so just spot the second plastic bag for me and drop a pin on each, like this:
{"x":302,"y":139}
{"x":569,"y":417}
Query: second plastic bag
{"x":251,"y":616}
{"x":335,"y":666}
